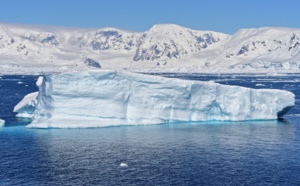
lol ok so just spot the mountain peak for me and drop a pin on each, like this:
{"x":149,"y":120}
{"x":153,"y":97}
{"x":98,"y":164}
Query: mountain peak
{"x":162,"y":27}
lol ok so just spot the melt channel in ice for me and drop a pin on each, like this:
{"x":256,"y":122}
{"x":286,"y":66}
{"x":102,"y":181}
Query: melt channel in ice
{"x":108,"y":98}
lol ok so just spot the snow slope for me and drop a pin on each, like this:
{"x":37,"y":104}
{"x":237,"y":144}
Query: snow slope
{"x":164,"y":47}
{"x":273,"y":48}
{"x":59,"y":49}
{"x":108,"y":98}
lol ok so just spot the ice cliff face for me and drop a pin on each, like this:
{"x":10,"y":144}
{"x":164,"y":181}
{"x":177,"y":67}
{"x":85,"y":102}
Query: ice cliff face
{"x":108,"y":98}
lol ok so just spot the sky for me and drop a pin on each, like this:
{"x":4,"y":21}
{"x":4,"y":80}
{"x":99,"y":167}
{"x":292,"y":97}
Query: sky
{"x":225,"y":16}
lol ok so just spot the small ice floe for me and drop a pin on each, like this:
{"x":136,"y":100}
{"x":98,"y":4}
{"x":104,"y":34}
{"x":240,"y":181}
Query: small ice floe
{"x":260,"y":85}
{"x":2,"y":122}
{"x":123,"y":165}
{"x":19,"y":82}
{"x":39,"y":81}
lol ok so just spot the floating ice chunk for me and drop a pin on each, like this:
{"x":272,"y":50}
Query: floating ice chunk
{"x":2,"y":122}
{"x":107,"y":98}
{"x":39,"y":81}
{"x":123,"y":165}
{"x":26,"y":106}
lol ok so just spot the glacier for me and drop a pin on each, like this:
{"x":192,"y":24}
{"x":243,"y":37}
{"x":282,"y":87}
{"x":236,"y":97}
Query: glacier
{"x":111,"y":98}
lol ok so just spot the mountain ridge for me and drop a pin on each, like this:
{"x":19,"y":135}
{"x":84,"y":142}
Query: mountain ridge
{"x":163,"y":46}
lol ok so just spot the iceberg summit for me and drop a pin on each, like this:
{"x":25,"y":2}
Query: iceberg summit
{"x":111,"y":98}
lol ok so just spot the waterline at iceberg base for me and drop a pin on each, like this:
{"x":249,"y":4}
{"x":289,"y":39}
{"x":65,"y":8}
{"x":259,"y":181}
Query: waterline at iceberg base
{"x":111,"y":98}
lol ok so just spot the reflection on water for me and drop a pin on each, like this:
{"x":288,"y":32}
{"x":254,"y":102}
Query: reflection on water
{"x":155,"y":154}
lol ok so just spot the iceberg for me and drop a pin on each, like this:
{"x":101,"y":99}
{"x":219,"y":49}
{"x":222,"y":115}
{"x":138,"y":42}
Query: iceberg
{"x":39,"y":81}
{"x":26,"y":107}
{"x":2,"y":122}
{"x":110,"y":98}
{"x":123,"y":165}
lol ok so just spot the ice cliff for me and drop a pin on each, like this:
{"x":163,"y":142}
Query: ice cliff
{"x":108,"y":98}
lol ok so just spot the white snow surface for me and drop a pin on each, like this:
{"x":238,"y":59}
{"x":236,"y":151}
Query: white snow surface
{"x":26,"y":106}
{"x":27,"y":49}
{"x":111,"y":98}
{"x":2,"y":122}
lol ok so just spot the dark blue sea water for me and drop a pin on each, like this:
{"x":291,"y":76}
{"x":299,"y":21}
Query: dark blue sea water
{"x":204,"y":153}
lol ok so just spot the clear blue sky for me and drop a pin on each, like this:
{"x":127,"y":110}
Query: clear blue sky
{"x":139,"y":15}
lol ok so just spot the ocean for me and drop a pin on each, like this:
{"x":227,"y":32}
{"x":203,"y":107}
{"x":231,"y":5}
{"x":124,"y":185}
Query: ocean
{"x":190,"y":153}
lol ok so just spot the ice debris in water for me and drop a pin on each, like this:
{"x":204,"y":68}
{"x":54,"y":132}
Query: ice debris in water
{"x":123,"y":165}
{"x":2,"y":122}
{"x":39,"y":81}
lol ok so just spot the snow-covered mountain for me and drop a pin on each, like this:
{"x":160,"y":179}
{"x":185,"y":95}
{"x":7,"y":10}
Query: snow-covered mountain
{"x":275,"y":48}
{"x":50,"y":46}
{"x":165,"y":42}
{"x":27,"y":48}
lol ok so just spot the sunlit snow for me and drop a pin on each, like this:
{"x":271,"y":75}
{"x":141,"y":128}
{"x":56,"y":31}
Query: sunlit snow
{"x":164,"y":47}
